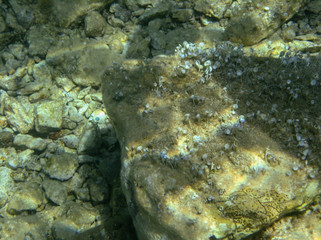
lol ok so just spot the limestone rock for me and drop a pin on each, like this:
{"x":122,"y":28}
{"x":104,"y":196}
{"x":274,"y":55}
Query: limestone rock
{"x":205,"y":151}
{"x":20,"y":114}
{"x":27,"y":141}
{"x":7,"y":182}
{"x":68,"y":12}
{"x":62,"y":166}
{"x":212,"y":8}
{"x":94,"y":24}
{"x":55,"y":191}
{"x":83,"y":60}
{"x":6,"y":139}
{"x":49,"y":116}
{"x":24,"y":227}
{"x":40,"y":38}
{"x":251,"y":21}
{"x":27,"y":197}
{"x":90,"y":139}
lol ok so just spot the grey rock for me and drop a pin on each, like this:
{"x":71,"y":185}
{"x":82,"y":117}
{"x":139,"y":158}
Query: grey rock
{"x":159,"y":11}
{"x":11,"y":21}
{"x":3,"y":24}
{"x":28,"y":141}
{"x":98,"y":190}
{"x":10,"y":61}
{"x":83,"y":194}
{"x":180,"y":192}
{"x":6,"y":139}
{"x":27,"y":197}
{"x":94,"y":24}
{"x":62,"y":166}
{"x":77,"y":216}
{"x":158,"y":40}
{"x":18,"y":50}
{"x":70,"y":141}
{"x":65,"y":83}
{"x":30,"y":88}
{"x":49,"y":116}
{"x":87,"y":159}
{"x":3,"y":199}
{"x":120,"y":12}
{"x":212,"y":8}
{"x":68,"y":124}
{"x":73,"y":114}
{"x":24,"y":227}
{"x":26,"y":158}
{"x":42,"y":74}
{"x":84,"y":92}
{"x":19,"y":116}
{"x":40,"y":38}
{"x":144,"y":3}
{"x":6,"y":183}
{"x":39,"y":95}
{"x":55,"y":191}
{"x":182,"y":15}
{"x":314,"y":6}
{"x":90,"y":139}
{"x":251,"y":22}
{"x":68,"y":12}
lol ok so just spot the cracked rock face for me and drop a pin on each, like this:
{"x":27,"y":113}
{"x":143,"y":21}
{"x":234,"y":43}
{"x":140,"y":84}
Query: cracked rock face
{"x":196,"y":163}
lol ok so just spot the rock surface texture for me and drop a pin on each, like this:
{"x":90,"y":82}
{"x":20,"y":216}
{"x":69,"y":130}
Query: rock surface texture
{"x":217,"y":141}
{"x":206,"y":152}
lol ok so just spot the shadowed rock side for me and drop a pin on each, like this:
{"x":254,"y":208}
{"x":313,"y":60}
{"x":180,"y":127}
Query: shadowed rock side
{"x":215,"y":144}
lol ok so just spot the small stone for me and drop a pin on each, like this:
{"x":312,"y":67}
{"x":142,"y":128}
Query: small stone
{"x":84,"y":92}
{"x":19,"y":116}
{"x":41,"y":73}
{"x":70,"y":141}
{"x":98,"y":191}
{"x":74,"y":115}
{"x":18,"y":50}
{"x":94,"y":24}
{"x":3,"y":25}
{"x":6,"y":139}
{"x":3,"y":122}
{"x":65,"y":83}
{"x":39,"y":38}
{"x":49,"y":116}
{"x":90,"y":139}
{"x":27,"y":197}
{"x":61,"y":166}
{"x":55,"y":191}
{"x":182,"y":15}
{"x":28,"y":141}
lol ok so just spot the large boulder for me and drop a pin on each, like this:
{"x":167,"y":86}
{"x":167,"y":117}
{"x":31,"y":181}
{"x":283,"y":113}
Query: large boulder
{"x":207,"y":150}
{"x":252,"y":21}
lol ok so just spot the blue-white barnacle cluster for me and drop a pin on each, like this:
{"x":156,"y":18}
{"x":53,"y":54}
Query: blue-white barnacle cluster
{"x":207,"y":60}
{"x":189,"y":50}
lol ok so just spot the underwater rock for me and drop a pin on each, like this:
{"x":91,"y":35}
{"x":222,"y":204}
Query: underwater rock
{"x":24,"y":227}
{"x":61,"y":166}
{"x":196,"y":164}
{"x":27,"y":197}
{"x":66,"y":13}
{"x":6,"y":139}
{"x":90,"y":139}
{"x":20,"y":114}
{"x":251,"y":21}
{"x":212,"y":8}
{"x":94,"y":24}
{"x":28,"y":141}
{"x":55,"y":191}
{"x":48,"y":116}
